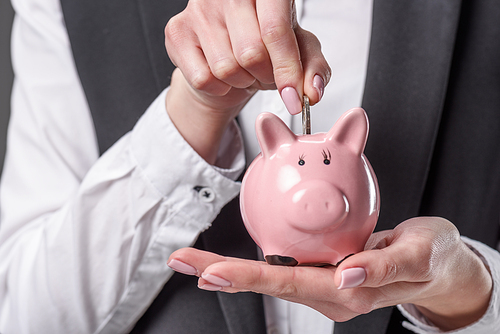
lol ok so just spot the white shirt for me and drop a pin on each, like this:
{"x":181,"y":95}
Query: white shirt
{"x":84,"y":239}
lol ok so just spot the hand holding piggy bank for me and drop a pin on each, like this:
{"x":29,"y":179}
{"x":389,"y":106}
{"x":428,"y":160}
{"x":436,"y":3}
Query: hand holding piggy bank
{"x":310,"y":199}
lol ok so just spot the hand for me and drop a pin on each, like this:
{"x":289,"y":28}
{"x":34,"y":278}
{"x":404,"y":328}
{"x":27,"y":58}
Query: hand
{"x":228,"y":50}
{"x":422,"y":261}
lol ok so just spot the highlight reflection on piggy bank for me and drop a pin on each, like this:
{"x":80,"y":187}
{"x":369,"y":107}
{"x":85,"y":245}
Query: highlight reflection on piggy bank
{"x":310,"y":199}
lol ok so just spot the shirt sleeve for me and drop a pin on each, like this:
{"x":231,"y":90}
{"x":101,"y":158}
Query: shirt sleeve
{"x":489,"y":323}
{"x":84,"y":239}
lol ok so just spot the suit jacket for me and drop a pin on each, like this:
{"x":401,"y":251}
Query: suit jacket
{"x":432,"y":95}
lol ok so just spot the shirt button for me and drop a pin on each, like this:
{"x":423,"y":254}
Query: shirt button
{"x":206,"y":195}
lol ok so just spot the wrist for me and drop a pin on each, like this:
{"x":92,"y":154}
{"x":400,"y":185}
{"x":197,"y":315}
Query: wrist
{"x":464,"y":300}
{"x":201,"y":125}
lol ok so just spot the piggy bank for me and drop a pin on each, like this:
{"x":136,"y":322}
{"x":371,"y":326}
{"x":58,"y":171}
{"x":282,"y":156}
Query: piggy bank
{"x":310,"y":199}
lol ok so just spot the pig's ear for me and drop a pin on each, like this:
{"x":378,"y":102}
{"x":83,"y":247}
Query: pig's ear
{"x":351,"y":130}
{"x":272,"y":133}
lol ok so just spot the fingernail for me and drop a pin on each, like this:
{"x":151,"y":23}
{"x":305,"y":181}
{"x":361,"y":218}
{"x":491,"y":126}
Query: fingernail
{"x":216,"y":280}
{"x":319,"y":85}
{"x":291,"y":99}
{"x":210,"y":287}
{"x":352,"y":277}
{"x":182,"y":267}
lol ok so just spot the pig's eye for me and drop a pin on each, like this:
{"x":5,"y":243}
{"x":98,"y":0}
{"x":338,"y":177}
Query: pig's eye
{"x":326,"y":156}
{"x":302,"y":162}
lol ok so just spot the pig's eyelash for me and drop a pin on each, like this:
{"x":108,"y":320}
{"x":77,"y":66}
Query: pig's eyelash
{"x":326,"y":157}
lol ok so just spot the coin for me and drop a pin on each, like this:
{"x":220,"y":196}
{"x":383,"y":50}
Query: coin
{"x":306,"y":117}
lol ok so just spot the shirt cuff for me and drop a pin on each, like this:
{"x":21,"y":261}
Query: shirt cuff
{"x":489,"y":323}
{"x":173,"y":167}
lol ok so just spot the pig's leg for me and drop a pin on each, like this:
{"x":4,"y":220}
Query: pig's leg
{"x":281,"y":260}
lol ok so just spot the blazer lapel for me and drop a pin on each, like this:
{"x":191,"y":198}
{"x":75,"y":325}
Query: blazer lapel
{"x":409,"y":63}
{"x":410,"y":57}
{"x":119,"y":50}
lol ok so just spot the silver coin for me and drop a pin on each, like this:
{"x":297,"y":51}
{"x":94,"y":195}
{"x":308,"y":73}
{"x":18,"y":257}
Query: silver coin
{"x":306,"y":117}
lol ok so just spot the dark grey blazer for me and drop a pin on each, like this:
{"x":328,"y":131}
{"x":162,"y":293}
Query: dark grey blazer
{"x":432,"y":95}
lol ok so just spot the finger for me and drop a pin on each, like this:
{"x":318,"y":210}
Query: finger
{"x":317,"y":72}
{"x":248,"y":47}
{"x":184,"y":49}
{"x":277,"y":22}
{"x":311,"y":286}
{"x":192,"y":261}
{"x":218,"y":51}
{"x":305,"y":285}
{"x":398,"y":262}
{"x":279,"y":281}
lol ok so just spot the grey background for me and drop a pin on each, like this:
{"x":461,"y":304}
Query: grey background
{"x":6,"y":15}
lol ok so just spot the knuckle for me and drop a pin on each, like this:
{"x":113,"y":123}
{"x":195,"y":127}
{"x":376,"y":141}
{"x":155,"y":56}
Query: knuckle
{"x":282,"y":288}
{"x":224,"y":68}
{"x":390,"y":272}
{"x":286,"y":290}
{"x":198,"y":6}
{"x":251,"y":57}
{"x":174,"y":30}
{"x":200,"y":14}
{"x":273,"y":33}
{"x":287,"y":69}
{"x":200,"y":79}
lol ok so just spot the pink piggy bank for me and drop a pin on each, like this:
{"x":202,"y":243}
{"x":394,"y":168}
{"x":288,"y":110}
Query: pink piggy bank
{"x":310,"y":199}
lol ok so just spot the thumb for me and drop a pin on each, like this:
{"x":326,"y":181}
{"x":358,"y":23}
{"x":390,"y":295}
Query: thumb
{"x":299,"y":67}
{"x":380,"y":267}
{"x":278,"y":20}
{"x":317,"y":72}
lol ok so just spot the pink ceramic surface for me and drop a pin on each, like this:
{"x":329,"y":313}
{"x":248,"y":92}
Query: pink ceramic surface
{"x":310,"y":199}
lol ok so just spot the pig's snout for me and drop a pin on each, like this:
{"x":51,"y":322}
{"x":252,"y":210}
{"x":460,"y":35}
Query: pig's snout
{"x":315,"y":206}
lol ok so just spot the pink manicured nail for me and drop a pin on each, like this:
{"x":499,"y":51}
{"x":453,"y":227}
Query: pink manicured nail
{"x":182,"y":267}
{"x":319,"y":85}
{"x":352,"y":277}
{"x":291,"y":99}
{"x":210,"y":287}
{"x":216,"y":280}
